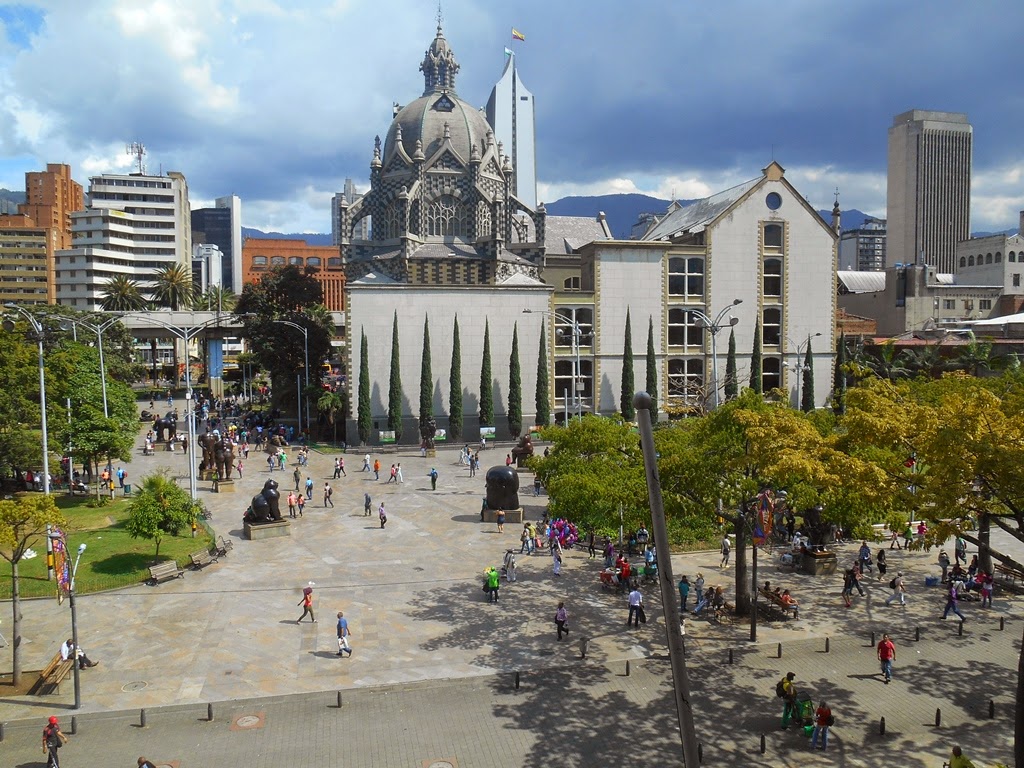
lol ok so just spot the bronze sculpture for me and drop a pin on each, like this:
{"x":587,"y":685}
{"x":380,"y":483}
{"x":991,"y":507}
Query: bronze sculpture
{"x":265,"y":506}
{"x":502,"y":488}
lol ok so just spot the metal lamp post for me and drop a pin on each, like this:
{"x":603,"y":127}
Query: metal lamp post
{"x":74,"y":615}
{"x":305,"y":346}
{"x":799,"y":366}
{"x":38,"y":328}
{"x":713,"y":327}
{"x":577,"y":337}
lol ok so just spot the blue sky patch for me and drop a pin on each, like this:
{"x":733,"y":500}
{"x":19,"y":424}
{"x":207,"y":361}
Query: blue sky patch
{"x":21,"y":22}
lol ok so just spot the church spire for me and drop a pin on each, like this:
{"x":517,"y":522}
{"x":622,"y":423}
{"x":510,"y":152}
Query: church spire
{"x":439,"y":66}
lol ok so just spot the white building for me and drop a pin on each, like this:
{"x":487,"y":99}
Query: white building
{"x":510,"y":114}
{"x":136,"y":225}
{"x":361,"y":230}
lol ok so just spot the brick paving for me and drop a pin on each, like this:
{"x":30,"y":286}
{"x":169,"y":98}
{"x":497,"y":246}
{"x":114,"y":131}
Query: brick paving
{"x":431,"y":678}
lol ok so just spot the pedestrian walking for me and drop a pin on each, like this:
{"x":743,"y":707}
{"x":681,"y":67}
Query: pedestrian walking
{"x":493,"y":584}
{"x":366,"y":504}
{"x":899,"y":589}
{"x":849,"y":579}
{"x":881,"y":562}
{"x":393,"y":478}
{"x":944,"y":564}
{"x":328,"y":493}
{"x":562,"y":620}
{"x":300,"y":503}
{"x":499,"y":518}
{"x":726,"y":550}
{"x":383,"y":515}
{"x":952,"y":600}
{"x":297,"y":477}
{"x":509,"y":565}
{"x":337,"y":469}
{"x":957,"y":759}
{"x":270,"y":463}
{"x":398,"y":472}
{"x":886,"y":655}
{"x":823,"y":720}
{"x":53,"y":740}
{"x":636,"y":608}
{"x":433,"y":479}
{"x":787,"y":690}
{"x":960,"y":549}
{"x":344,"y":633}
{"x":684,"y":593}
{"x":307,"y":604}
{"x":366,"y":464}
{"x":291,"y":504}
{"x":341,"y":465}
{"x":309,"y":488}
{"x":556,"y":557}
{"x":591,"y":545}
{"x":376,"y":469}
{"x":864,"y":557}
{"x":238,"y":468}
{"x":987,"y":584}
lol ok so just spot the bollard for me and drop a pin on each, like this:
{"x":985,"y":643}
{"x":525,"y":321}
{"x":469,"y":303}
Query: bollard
{"x":1002,"y":623}
{"x":700,"y":752}
{"x":827,"y":645}
{"x":517,"y":679}
{"x":627,"y":667}
{"x":763,"y":745}
{"x":339,"y":699}
{"x":730,"y":655}
{"x":872,"y":639}
{"x":142,"y":718}
{"x":74,"y":725}
{"x":960,"y":629}
{"x":1,"y":731}
{"x":881,"y":727}
{"x":938,"y":717}
{"x":917,"y":634}
{"x":991,"y":710}
{"x":209,"y":713}
{"x":780,"y":650}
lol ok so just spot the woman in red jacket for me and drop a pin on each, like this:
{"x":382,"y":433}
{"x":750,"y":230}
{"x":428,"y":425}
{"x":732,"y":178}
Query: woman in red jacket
{"x":823,"y":720}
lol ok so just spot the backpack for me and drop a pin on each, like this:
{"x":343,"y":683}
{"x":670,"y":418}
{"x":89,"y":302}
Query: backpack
{"x":52,"y":739}
{"x":831,"y":720}
{"x":780,"y":688}
{"x":892,"y":584}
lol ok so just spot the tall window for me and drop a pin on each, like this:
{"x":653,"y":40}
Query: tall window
{"x":564,"y":318}
{"x":390,"y":224}
{"x":686,"y":381}
{"x":771,"y":327}
{"x":771,"y":373}
{"x":446,"y":217}
{"x":683,"y":330}
{"x":686,"y":277}
{"x":772,"y":235}
{"x":564,"y":383}
{"x":772,"y":277}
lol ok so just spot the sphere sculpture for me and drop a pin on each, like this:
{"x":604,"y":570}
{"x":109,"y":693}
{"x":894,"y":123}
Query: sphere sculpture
{"x":502,"y":488}
{"x":265,"y":506}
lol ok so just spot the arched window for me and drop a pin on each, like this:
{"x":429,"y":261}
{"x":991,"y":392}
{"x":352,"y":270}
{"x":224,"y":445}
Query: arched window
{"x":686,"y":277}
{"x":683,"y":330}
{"x":970,"y":261}
{"x":391,"y":224}
{"x":988,"y":258}
{"x":277,"y":261}
{"x":1013,"y":256}
{"x":313,"y":261}
{"x":571,"y":284}
{"x":295,"y":261}
{"x":772,"y":277}
{"x":686,"y":381}
{"x":771,"y":373}
{"x":999,"y":258}
{"x":771,"y":327}
{"x":772,"y":235}
{"x":963,"y":261}
{"x":446,"y":217}
{"x":259,"y":261}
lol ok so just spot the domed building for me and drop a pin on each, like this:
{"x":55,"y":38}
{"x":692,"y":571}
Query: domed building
{"x":441,"y":200}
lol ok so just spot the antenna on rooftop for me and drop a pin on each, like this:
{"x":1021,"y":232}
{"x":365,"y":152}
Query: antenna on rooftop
{"x":137,"y":150}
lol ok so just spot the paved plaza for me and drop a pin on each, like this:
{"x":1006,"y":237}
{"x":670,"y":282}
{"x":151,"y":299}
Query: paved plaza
{"x":432,"y":677}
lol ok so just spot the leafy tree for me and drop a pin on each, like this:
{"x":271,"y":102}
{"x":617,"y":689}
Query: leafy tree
{"x":515,"y":387}
{"x":887,"y":363}
{"x":216,"y":298}
{"x":426,"y":379}
{"x":122,"y":294}
{"x":628,"y":385}
{"x":732,"y":379}
{"x":543,"y":401}
{"x":365,"y":417}
{"x":807,"y":395}
{"x":23,"y":523}
{"x":486,"y":382}
{"x":19,"y":401}
{"x":332,"y":405}
{"x":455,"y":386}
{"x":923,"y":361}
{"x":839,"y":378}
{"x":756,"y":383}
{"x":652,"y":370}
{"x":395,"y":385}
{"x":976,"y":357}
{"x":161,"y":507}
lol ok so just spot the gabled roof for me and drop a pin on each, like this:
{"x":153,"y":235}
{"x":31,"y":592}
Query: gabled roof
{"x":698,"y":214}
{"x":567,"y":234}
{"x":373,"y":278}
{"x":521,"y":280}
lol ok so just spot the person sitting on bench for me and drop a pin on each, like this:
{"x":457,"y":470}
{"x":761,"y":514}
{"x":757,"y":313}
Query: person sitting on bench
{"x":66,"y":651}
{"x":787,"y":599}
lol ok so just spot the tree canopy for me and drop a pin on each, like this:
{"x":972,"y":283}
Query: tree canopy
{"x":161,"y":507}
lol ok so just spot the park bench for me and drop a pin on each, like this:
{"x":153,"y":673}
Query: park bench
{"x":773,"y":603}
{"x":223,"y":546}
{"x":164,"y":571}
{"x":201,"y":558}
{"x":1009,"y":576}
{"x":52,"y":675}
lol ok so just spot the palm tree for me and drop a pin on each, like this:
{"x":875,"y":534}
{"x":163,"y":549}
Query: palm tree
{"x":887,"y":362}
{"x":121,"y":294}
{"x":173,"y":288}
{"x":216,"y":299}
{"x":924,"y":361}
{"x":976,"y":357}
{"x":333,"y":404}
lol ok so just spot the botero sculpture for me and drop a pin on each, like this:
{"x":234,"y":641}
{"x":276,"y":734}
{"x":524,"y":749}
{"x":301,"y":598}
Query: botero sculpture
{"x":265,"y":507}
{"x":166,"y":423}
{"x":502,"y":488}
{"x":523,"y":451}
{"x":218,"y":454}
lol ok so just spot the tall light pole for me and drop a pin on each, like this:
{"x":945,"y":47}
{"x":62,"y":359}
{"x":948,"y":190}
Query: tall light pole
{"x":799,"y":367}
{"x":59,"y":537}
{"x":305,"y":346}
{"x":577,"y":334}
{"x":713,"y":327}
{"x":38,"y":328}
{"x":98,"y":329}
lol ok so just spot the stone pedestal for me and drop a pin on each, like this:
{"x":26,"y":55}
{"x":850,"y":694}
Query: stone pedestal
{"x":511,"y":515}
{"x":226,"y":486}
{"x":267,"y":530}
{"x":431,"y":453}
{"x":207,"y":474}
{"x":820,"y":563}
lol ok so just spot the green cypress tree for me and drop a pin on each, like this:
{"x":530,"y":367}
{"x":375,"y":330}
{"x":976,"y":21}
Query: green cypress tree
{"x":395,"y":386}
{"x":732,"y":382}
{"x":652,"y":370}
{"x":839,"y":382}
{"x":426,"y":378}
{"x":628,"y":385}
{"x":543,"y":401}
{"x":755,"y":361}
{"x":455,"y":387}
{"x":515,"y":387}
{"x":807,"y":396}
{"x":364,"y":419}
{"x":486,"y":383}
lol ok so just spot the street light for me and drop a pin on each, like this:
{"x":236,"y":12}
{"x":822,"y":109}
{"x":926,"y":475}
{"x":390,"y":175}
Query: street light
{"x":799,"y":366}
{"x":577,"y":338}
{"x":714,"y":326}
{"x":305,"y":346}
{"x":59,"y":537}
{"x":98,"y":329}
{"x":38,"y":328}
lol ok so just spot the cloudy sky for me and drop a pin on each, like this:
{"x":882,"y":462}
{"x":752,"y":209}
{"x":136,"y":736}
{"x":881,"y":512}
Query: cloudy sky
{"x":278,"y":101}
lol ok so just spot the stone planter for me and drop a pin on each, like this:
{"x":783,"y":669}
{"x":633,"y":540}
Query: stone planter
{"x":820,"y":563}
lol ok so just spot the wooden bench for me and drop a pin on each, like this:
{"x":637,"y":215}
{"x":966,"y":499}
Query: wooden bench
{"x":201,"y":558}
{"x":1011,"y":576}
{"x":774,"y":603}
{"x":223,"y":546}
{"x":52,"y":675}
{"x":164,"y":571}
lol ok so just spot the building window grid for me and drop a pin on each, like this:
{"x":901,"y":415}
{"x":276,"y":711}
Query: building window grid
{"x":684,"y":330}
{"x":686,"y":381}
{"x":686,"y":278}
{"x":447,"y":217}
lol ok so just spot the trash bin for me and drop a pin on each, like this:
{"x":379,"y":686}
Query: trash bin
{"x":127,"y":489}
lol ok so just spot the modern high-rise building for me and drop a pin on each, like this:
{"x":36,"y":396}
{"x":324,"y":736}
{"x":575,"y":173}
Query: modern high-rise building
{"x":361,"y":229}
{"x":50,"y":198}
{"x":222,"y":226}
{"x":863,"y":249}
{"x":510,"y":114}
{"x":136,"y":226}
{"x":929,"y":188}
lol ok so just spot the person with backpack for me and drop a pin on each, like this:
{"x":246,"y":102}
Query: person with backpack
{"x":786,"y":690}
{"x":726,"y":550}
{"x":899,"y":589}
{"x":823,"y":720}
{"x":328,"y":493}
{"x":960,"y":549}
{"x":864,"y":557}
{"x":433,"y":479}
{"x":886,"y":655}
{"x":53,"y":740}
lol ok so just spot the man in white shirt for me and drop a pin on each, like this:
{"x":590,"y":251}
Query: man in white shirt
{"x":67,"y":649}
{"x":636,"y":607}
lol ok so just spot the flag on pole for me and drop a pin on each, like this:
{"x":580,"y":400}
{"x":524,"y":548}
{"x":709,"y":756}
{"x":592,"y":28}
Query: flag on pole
{"x":517,"y":35}
{"x":508,"y":51}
